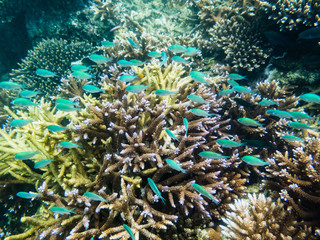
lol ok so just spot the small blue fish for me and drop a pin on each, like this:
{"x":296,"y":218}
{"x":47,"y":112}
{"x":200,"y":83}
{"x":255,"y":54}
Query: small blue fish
{"x":279,"y":113}
{"x":27,"y":195}
{"x":225,"y":92}
{"x":190,"y":52}
{"x":299,"y":125}
{"x":56,"y":128}
{"x":186,"y":125}
{"x":174,"y":165}
{"x":66,"y":107}
{"x":94,"y":197}
{"x":212,"y":155}
{"x":249,"y":122}
{"x":291,"y":138}
{"x":23,"y":102}
{"x":300,"y":115}
{"x":171,"y":134}
{"x":19,"y":122}
{"x":42,"y":163}
{"x":61,"y":210}
{"x":254,"y":161}
{"x":164,"y":59}
{"x":108,"y":44}
{"x":29,"y":93}
{"x":154,"y":54}
{"x":137,"y":62}
{"x":200,"y":112}
{"x":311,"y":33}
{"x":79,"y":67}
{"x":177,"y":48}
{"x":126,"y":227}
{"x":10,"y":85}
{"x":133,"y":43}
{"x":65,"y":101}
{"x":137,"y":88}
{"x":99,"y":59}
{"x":198,"y":77}
{"x":310,"y":97}
{"x":45,"y":73}
{"x":196,"y":98}
{"x":228,"y":143}
{"x":241,"y":89}
{"x":232,"y":83}
{"x":128,"y":78}
{"x":163,"y":93}
{"x":92,"y":89}
{"x":69,"y":145}
{"x":179,"y":59}
{"x":125,"y":63}
{"x":81,"y":75}
{"x":25,"y":155}
{"x":154,"y":188}
{"x":267,"y":103}
{"x":235,"y":76}
{"x":204,"y":192}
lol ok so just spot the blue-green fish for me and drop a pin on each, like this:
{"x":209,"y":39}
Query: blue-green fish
{"x":163,"y":93}
{"x":27,"y":195}
{"x":204,"y":192}
{"x":69,"y":145}
{"x":200,"y":112}
{"x":164,"y":59}
{"x":190,"y":52}
{"x":45,"y":73}
{"x":241,"y":89}
{"x":196,"y":98}
{"x":125,"y":63}
{"x":228,"y":143}
{"x":137,"y":88}
{"x":99,"y":59}
{"x":177,"y":48}
{"x":66,"y":107}
{"x":212,"y":155}
{"x":19,"y":122}
{"x":23,"y":102}
{"x":254,"y":161}
{"x":299,"y":125}
{"x":128,"y":78}
{"x":92,"y":89}
{"x":179,"y":59}
{"x":137,"y":63}
{"x":232,"y":83}
{"x":267,"y":103}
{"x":174,"y":165}
{"x":310,"y":33}
{"x":94,"y":197}
{"x":154,"y":188}
{"x":56,"y":128}
{"x":279,"y":113}
{"x":291,"y":138}
{"x":108,"y":44}
{"x":126,"y":227}
{"x":249,"y":122}
{"x":171,"y":134}
{"x":310,"y":97}
{"x":198,"y":77}
{"x":29,"y":93}
{"x":154,"y":54}
{"x":65,"y":101}
{"x":81,"y":75}
{"x":42,"y":163}
{"x":61,"y":210}
{"x":10,"y":85}
{"x":79,"y":67}
{"x":235,"y":76}
{"x":300,"y":115}
{"x":225,"y":92}
{"x":186,"y":125}
{"x":25,"y":155}
{"x":133,"y":43}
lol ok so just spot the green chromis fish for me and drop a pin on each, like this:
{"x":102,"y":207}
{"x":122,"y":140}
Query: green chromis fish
{"x":79,"y":67}
{"x":249,"y":122}
{"x":228,"y":143}
{"x":204,"y":192}
{"x":235,"y":76}
{"x":61,"y":210}
{"x":69,"y":145}
{"x":137,"y":63}
{"x":200,"y":112}
{"x":164,"y":59}
{"x":137,"y":88}
{"x":154,"y":54}
{"x":19,"y":122}
{"x":23,"y":102}
{"x":190,"y":52}
{"x":171,"y":134}
{"x":45,"y":73}
{"x":10,"y":85}
{"x":177,"y":48}
{"x":196,"y":98}
{"x":212,"y":155}
{"x":300,"y":115}
{"x":299,"y":125}
{"x":128,"y":78}
{"x":267,"y":103}
{"x":25,"y":155}
{"x":179,"y":59}
{"x":125,"y":63}
{"x":99,"y":59}
{"x":108,"y":44}
{"x":225,"y":92}
{"x":27,"y":195}
{"x":42,"y":163}
{"x":81,"y":75}
{"x":186,"y":125}
{"x":279,"y":113}
{"x":65,"y":101}
{"x":94,"y":197}
{"x":29,"y":93}
{"x":291,"y":138}
{"x":254,"y":161}
{"x":126,"y":227}
{"x":232,"y":83}
{"x":163,"y":93}
{"x":310,"y":97}
{"x":92,"y":89}
{"x":56,"y":128}
{"x":66,"y":107}
{"x":198,"y":77}
{"x":133,"y":43}
{"x":154,"y":188}
{"x":241,"y":89}
{"x":174,"y":165}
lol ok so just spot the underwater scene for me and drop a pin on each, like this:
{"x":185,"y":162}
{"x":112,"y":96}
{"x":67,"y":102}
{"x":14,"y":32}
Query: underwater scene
{"x":160,"y":119}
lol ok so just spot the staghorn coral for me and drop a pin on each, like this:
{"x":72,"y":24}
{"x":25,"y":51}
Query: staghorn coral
{"x":259,"y":217}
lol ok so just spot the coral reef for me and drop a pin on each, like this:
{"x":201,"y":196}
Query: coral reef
{"x":259,"y":217}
